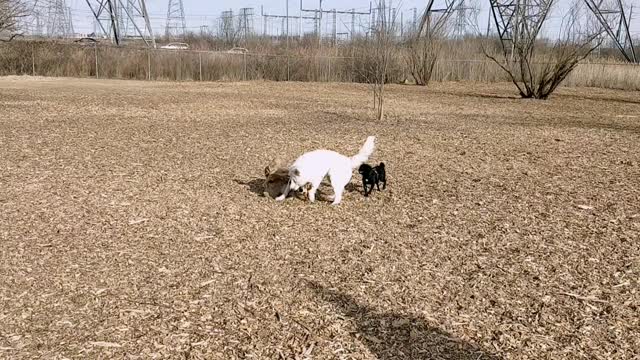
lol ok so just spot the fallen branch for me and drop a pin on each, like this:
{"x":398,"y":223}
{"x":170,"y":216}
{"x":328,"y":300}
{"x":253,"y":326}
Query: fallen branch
{"x":135,"y":222}
{"x":11,"y":38}
{"x":584,"y":298}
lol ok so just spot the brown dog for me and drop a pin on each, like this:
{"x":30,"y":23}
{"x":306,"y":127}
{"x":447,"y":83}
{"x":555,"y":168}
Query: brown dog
{"x":276,"y":179}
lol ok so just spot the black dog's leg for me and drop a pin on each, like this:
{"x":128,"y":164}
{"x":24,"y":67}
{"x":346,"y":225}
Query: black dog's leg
{"x":384,"y":184}
{"x":364,"y":186}
{"x":378,"y":185}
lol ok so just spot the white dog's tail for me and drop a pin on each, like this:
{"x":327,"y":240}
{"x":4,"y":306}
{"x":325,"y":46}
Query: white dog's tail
{"x":365,"y":152}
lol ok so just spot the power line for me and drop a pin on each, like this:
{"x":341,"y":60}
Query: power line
{"x":318,"y":15}
{"x":317,"y":18}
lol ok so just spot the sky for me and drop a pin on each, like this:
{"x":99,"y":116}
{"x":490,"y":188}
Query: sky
{"x":206,"y":12}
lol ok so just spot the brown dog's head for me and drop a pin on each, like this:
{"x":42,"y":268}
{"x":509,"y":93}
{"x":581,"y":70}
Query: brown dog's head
{"x":276,"y":179}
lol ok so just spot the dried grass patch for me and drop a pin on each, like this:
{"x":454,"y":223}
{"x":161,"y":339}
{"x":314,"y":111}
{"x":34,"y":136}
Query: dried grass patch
{"x":509,"y":228}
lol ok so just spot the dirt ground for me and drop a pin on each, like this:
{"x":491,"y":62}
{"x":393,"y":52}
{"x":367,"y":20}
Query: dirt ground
{"x":132,"y":223}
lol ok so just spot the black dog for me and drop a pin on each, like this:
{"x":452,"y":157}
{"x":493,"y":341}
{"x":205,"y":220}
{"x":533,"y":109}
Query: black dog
{"x":373,"y":176}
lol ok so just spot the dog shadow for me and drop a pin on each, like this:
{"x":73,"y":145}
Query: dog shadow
{"x":351,"y":187}
{"x":256,"y":186}
{"x":391,"y":335}
{"x":325,"y":186}
{"x":324,"y":193}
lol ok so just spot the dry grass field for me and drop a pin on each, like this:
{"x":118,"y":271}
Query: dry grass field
{"x":132,"y":224}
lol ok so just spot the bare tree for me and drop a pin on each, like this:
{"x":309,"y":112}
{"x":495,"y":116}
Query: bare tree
{"x":533,"y":66}
{"x":11,"y":11}
{"x":381,"y":53}
{"x":425,"y":44}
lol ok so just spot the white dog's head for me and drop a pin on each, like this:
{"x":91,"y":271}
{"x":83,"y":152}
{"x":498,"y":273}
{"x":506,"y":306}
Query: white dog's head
{"x":294,"y":179}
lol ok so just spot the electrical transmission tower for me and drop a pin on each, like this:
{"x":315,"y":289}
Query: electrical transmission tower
{"x":245,"y":23}
{"x":512,"y":19}
{"x":110,"y":15}
{"x":70,"y":28}
{"x":512,"y":16}
{"x":33,"y":20}
{"x":611,"y":15}
{"x":226,"y":27}
{"x":414,"y":21}
{"x":125,"y":22}
{"x":176,"y":22}
{"x":59,"y":20}
{"x":463,"y":15}
{"x":503,"y":13}
{"x":434,"y":19}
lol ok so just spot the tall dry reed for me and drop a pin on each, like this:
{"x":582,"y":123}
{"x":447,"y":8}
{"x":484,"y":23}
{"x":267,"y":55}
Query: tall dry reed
{"x":460,"y":60}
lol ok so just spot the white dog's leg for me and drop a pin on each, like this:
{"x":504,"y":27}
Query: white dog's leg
{"x":314,"y":187}
{"x":338,"y":182}
{"x":338,"y":197}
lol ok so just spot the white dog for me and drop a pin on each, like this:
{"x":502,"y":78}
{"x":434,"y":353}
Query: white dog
{"x":313,"y":166}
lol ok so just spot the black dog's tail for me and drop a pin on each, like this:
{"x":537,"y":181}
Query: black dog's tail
{"x":381,"y":165}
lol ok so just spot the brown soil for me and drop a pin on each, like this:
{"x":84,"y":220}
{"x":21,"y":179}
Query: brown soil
{"x":132,"y":222}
